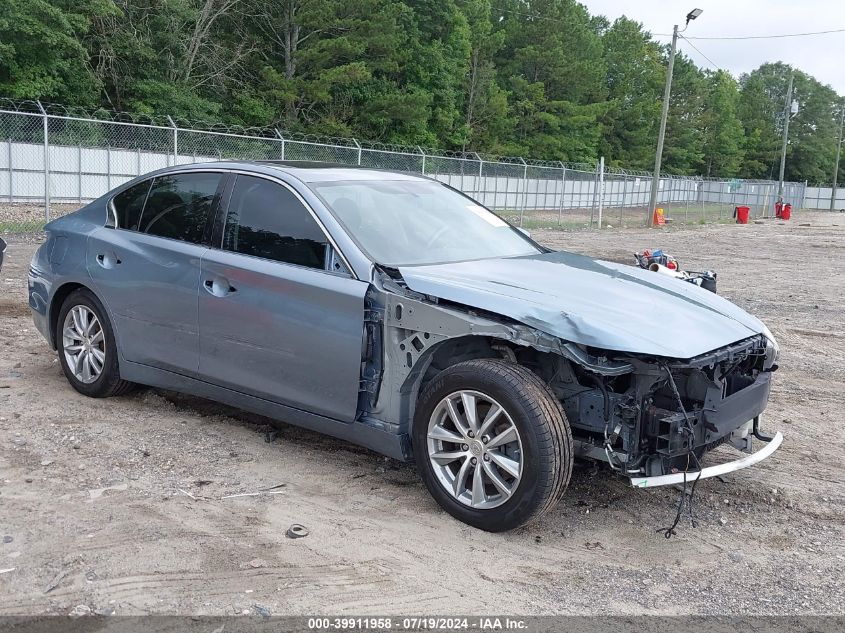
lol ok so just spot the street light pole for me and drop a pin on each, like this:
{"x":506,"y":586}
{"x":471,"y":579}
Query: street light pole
{"x":664,"y":115}
{"x":838,"y":150}
{"x":658,"y":157}
{"x":786,"y":114}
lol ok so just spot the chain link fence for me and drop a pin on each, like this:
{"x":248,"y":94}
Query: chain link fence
{"x":824,"y":198}
{"x":55,"y":159}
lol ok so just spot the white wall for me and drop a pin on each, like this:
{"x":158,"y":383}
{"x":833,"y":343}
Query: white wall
{"x":80,"y":174}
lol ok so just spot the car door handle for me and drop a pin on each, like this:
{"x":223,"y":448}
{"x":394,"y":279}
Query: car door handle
{"x":219,"y":287}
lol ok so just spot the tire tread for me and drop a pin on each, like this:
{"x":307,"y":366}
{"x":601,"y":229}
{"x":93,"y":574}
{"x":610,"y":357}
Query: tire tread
{"x":555,"y":444}
{"x":113,"y":385}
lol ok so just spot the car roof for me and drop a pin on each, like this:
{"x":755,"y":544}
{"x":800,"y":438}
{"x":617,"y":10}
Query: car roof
{"x":306,"y":171}
{"x":310,"y":171}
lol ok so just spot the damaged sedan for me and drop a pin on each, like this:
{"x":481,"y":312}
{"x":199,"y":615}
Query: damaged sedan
{"x":393,"y":311}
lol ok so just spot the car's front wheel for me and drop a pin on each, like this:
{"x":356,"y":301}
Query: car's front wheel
{"x":492,"y":444}
{"x":87,"y":349}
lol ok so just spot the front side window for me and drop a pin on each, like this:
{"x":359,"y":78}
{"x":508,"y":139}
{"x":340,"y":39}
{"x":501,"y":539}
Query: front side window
{"x":127,"y":206}
{"x":179,"y":206}
{"x":267,"y":220}
{"x":408,"y":222}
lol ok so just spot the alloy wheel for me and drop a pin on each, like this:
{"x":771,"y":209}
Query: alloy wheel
{"x":475,"y":449}
{"x":84,"y":344}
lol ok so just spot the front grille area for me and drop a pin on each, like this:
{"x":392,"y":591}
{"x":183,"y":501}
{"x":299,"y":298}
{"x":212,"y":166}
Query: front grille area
{"x":709,"y":388}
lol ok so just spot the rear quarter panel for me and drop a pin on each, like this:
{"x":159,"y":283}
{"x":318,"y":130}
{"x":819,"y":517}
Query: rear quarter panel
{"x":60,"y":260}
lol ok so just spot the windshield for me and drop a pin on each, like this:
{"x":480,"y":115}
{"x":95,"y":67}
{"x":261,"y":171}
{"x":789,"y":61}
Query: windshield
{"x":407,"y":222}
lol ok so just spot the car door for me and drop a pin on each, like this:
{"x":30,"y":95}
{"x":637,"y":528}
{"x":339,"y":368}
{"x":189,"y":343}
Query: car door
{"x":274,"y":321}
{"x":147,"y":267}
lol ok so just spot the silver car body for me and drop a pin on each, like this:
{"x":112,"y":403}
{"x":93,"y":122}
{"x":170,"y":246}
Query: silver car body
{"x":345,"y":350}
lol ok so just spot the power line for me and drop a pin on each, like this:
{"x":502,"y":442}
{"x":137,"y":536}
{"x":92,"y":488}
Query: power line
{"x":758,"y":37}
{"x":737,"y":37}
{"x":712,"y":63}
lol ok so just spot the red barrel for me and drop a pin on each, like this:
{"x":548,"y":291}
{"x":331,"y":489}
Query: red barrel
{"x":741,"y":214}
{"x":786,"y":212}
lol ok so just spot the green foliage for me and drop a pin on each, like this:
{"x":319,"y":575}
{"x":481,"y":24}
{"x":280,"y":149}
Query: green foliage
{"x":723,"y":134}
{"x":811,"y":153}
{"x":41,"y":52}
{"x":760,"y":109}
{"x":683,"y":150}
{"x":555,"y":74}
{"x":812,"y":131}
{"x":635,"y":76}
{"x":538,"y":78}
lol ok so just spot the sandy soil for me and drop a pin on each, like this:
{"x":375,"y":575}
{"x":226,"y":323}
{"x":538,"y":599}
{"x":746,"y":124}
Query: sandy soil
{"x":119,"y":504}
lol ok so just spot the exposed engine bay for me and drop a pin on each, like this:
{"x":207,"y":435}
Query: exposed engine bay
{"x":649,"y":419}
{"x":646,"y":416}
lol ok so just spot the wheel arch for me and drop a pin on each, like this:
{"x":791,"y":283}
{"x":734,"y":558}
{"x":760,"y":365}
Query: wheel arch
{"x":451,"y":351}
{"x":539,"y":420}
{"x":60,"y":294}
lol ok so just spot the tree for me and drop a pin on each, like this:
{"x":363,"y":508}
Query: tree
{"x":683,"y":150}
{"x":299,"y":35}
{"x":812,"y":131}
{"x":635,"y":77}
{"x":41,"y":55}
{"x":552,"y":59}
{"x":760,"y":114}
{"x":723,"y":132}
{"x":174,"y":57}
{"x":543,"y":79}
{"x":485,"y":102}
{"x":440,"y":48}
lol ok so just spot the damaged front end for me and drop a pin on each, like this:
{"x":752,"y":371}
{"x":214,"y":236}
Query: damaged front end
{"x":651,"y":418}
{"x":658,"y":419}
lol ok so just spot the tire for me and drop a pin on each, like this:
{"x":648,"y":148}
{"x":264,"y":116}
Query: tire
{"x":107,"y":381}
{"x":542,"y":449}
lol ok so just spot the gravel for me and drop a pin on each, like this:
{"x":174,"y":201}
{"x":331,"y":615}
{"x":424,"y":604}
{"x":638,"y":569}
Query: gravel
{"x":768,"y":539}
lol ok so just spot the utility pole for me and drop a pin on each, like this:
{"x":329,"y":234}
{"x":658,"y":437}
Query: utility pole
{"x":787,"y":107}
{"x":601,"y":188}
{"x":838,"y":150}
{"x":658,"y":158}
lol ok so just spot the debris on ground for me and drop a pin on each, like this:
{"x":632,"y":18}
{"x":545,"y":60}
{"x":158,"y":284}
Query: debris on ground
{"x":99,"y":492}
{"x":56,"y":580}
{"x":660,"y":262}
{"x":393,"y":541}
{"x":254,"y":494}
{"x":297,"y":531}
{"x":79,"y":611}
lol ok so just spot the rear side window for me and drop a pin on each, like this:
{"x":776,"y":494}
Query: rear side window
{"x":267,"y":220}
{"x":179,"y":206}
{"x":129,"y":204}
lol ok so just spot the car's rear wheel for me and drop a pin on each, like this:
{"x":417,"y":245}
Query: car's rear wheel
{"x":87,"y":349}
{"x":492,"y":444}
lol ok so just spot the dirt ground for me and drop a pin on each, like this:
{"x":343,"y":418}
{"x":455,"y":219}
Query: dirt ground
{"x":120,"y":504}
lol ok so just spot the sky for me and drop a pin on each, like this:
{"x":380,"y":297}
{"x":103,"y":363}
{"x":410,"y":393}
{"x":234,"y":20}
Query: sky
{"x":818,"y":55}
